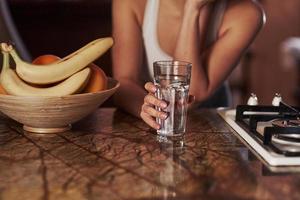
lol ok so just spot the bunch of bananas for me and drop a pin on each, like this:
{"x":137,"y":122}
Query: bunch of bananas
{"x":66,"y":76}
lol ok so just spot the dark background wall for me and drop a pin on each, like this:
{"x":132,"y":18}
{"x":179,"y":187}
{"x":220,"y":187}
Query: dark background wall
{"x":62,"y":26}
{"x":268,"y":73}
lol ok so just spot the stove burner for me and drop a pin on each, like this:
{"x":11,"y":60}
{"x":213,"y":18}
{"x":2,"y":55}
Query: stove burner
{"x":286,"y":123}
{"x":289,"y":137}
{"x":286,"y":145}
{"x":283,"y":136}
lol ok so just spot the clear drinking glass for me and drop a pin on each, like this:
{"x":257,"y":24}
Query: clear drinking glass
{"x":172,"y":79}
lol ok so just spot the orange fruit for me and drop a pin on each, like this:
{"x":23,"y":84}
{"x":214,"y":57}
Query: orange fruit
{"x":98,"y":79}
{"x":45,"y":59}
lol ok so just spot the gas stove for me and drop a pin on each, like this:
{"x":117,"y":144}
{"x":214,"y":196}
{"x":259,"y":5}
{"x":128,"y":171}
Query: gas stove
{"x":271,"y":132}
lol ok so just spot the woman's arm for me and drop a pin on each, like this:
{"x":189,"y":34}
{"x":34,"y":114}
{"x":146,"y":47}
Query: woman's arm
{"x":127,"y":57}
{"x":127,"y":65}
{"x":242,"y":22}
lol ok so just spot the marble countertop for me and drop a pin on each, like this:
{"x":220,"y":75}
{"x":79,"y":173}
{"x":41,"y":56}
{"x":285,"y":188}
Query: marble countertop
{"x":111,"y":155}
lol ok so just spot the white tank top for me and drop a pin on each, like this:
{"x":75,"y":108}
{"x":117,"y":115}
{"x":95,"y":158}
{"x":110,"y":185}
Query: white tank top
{"x":153,"y":50}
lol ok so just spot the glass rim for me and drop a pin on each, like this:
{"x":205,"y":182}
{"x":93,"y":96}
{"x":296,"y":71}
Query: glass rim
{"x":164,"y":63}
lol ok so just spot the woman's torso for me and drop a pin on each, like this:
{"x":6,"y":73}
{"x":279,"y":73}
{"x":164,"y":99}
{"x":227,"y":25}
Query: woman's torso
{"x":160,"y":25}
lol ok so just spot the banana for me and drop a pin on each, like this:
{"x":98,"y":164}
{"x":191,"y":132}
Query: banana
{"x":62,"y":69}
{"x":13,"y":85}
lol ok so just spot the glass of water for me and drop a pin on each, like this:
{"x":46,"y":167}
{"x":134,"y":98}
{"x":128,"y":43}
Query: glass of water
{"x":172,"y":79}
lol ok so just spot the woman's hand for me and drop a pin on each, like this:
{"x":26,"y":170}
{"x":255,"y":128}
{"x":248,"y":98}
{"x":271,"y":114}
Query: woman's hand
{"x":148,"y":111}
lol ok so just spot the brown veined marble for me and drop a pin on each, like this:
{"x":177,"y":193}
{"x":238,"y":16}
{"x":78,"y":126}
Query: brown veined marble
{"x":111,"y":155}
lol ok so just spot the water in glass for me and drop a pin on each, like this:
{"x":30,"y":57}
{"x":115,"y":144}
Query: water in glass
{"x":174,"y":90}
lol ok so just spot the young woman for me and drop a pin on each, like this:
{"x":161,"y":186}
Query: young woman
{"x":211,"y":34}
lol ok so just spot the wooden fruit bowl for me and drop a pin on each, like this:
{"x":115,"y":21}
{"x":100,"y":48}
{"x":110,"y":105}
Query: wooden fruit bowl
{"x":53,"y":114}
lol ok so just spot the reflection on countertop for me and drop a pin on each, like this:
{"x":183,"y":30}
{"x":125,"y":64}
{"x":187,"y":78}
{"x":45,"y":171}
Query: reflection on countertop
{"x":111,"y":155}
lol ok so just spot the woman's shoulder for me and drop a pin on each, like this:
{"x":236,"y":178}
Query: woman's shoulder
{"x":241,"y":13}
{"x":134,"y":7}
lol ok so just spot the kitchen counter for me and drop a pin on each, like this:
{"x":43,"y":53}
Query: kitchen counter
{"x":111,"y":155}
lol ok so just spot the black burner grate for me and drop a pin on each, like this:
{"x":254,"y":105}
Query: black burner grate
{"x":249,"y":116}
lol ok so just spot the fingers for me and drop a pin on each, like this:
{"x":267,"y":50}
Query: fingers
{"x":153,"y":112}
{"x":148,"y":114}
{"x":149,"y":120}
{"x":152,"y":100}
{"x":150,"y":87}
{"x":148,"y":111}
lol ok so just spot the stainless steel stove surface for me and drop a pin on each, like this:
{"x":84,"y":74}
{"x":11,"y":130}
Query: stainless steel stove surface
{"x":271,"y":132}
